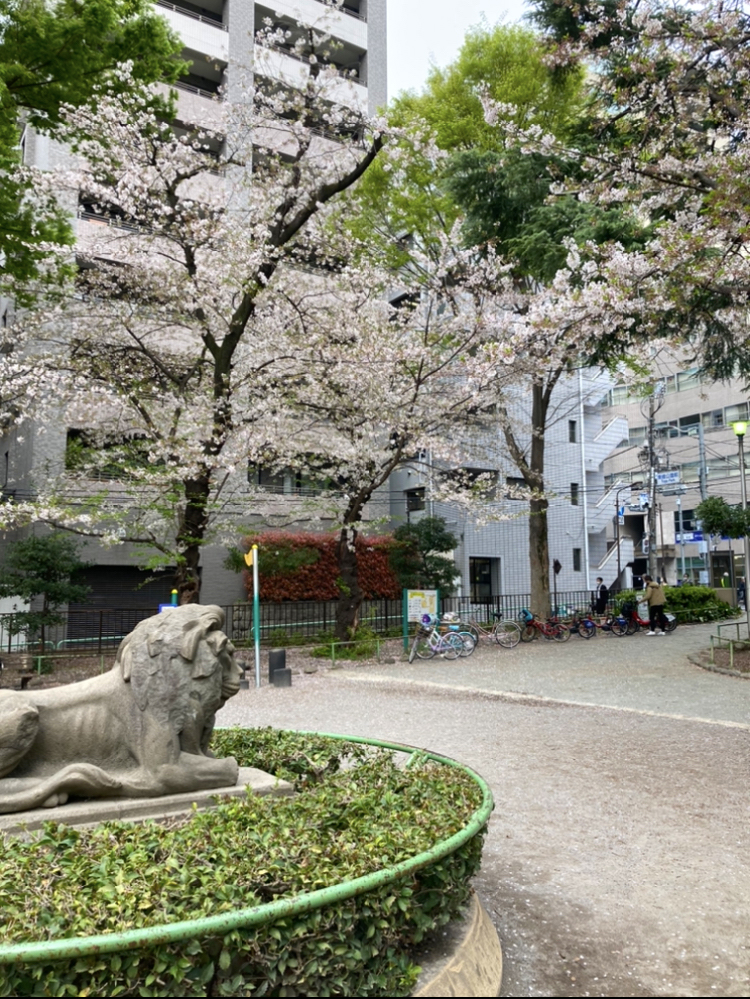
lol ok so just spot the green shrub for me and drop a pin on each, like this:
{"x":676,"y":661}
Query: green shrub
{"x":346,"y":822}
{"x":363,"y":646}
{"x":280,"y":638}
{"x":688,"y":603}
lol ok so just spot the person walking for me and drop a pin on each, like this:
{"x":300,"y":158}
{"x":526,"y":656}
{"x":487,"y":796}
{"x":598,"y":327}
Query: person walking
{"x":655,"y":598}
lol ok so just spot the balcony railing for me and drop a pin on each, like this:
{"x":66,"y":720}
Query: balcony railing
{"x":110,"y":220}
{"x":350,"y":73}
{"x":216,"y":23}
{"x":208,"y":94}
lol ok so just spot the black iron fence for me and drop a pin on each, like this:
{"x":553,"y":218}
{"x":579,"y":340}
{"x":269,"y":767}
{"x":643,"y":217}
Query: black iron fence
{"x":84,"y":632}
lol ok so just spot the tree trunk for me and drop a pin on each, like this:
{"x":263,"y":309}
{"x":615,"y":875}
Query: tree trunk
{"x":347,"y":611}
{"x":538,"y":536}
{"x":190,"y":536}
{"x":531,"y":466}
{"x":539,"y":557}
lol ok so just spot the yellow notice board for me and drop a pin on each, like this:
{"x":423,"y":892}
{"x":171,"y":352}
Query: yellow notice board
{"x":419,"y":602}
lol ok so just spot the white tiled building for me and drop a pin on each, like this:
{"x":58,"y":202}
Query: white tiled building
{"x":219,"y":40}
{"x":494,"y":558}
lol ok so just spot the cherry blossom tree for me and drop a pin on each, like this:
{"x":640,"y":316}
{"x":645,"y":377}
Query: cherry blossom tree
{"x":166,"y":350}
{"x":386,"y":376}
{"x":667,"y":140}
{"x":221,"y":315}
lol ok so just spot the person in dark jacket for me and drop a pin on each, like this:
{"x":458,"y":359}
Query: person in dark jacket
{"x":601,"y":596}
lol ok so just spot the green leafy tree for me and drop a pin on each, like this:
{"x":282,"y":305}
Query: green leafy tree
{"x":48,"y":566}
{"x":52,"y":54}
{"x":719,"y":517}
{"x":412,"y":198}
{"x":503,"y":196}
{"x":418,"y":559}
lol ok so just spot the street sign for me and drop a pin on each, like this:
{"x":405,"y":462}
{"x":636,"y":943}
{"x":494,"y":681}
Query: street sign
{"x":688,"y":536}
{"x":668,"y":478}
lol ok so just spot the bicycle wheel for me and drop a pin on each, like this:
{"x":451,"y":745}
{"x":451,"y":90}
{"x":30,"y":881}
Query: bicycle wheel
{"x":619,"y":626}
{"x":586,"y":629}
{"x":507,"y":634}
{"x":529,"y":633}
{"x":468,"y":644}
{"x":671,"y":624}
{"x":422,"y":648}
{"x":473,"y":631}
{"x":450,"y":647}
{"x":560,"y":633}
{"x":633,"y":626}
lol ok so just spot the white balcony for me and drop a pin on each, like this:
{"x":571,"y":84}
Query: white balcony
{"x":195,"y":107}
{"x":199,"y":34}
{"x":340,"y":25}
{"x":295,"y":73}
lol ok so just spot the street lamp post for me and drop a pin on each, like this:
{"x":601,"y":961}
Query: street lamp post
{"x":631,"y":486}
{"x":740,"y":429}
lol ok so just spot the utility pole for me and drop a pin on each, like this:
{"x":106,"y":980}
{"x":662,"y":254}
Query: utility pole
{"x":655,"y":401}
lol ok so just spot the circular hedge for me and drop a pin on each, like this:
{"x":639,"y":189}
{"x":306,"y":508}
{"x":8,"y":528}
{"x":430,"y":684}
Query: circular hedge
{"x":325,"y":893}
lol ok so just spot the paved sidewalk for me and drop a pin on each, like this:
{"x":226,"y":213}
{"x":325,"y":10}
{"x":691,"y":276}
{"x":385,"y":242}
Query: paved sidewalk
{"x":618,"y":857}
{"x":647,"y":674}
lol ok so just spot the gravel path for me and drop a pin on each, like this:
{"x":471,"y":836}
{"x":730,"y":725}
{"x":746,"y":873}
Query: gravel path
{"x":617,"y":858}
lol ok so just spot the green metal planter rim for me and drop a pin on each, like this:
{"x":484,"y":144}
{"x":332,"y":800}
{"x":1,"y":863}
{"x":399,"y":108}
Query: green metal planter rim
{"x":258,"y":915}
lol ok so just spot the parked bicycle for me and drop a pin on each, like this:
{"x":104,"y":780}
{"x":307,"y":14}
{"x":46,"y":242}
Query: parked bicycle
{"x":429,"y":642}
{"x":451,"y":622}
{"x":505,"y":633}
{"x":637,"y":619}
{"x":587,"y":626}
{"x":533,"y":627}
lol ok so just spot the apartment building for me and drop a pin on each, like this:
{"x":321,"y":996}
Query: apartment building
{"x":492,"y":553}
{"x":694,"y":454}
{"x":219,"y":39}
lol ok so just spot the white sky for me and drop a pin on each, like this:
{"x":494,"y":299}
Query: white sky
{"x":426,"y":32}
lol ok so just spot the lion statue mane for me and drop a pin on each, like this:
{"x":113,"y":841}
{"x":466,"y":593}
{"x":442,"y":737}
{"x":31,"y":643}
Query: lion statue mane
{"x":139,"y":731}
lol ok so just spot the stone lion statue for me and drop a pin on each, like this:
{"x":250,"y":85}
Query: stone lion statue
{"x":139,"y":731}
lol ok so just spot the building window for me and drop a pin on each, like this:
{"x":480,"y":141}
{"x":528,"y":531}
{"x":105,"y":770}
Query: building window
{"x":268,"y":479}
{"x":415,"y":500}
{"x":734,"y":413}
{"x":688,"y":380}
{"x":576,"y":560}
{"x":573,"y":431}
{"x":713,"y":419}
{"x":688,"y":521}
{"x":516,"y":488}
{"x":107,"y":457}
{"x":690,"y":421}
{"x":574,"y":494}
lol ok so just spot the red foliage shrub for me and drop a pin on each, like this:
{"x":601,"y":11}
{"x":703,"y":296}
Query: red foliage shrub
{"x":302,"y":565}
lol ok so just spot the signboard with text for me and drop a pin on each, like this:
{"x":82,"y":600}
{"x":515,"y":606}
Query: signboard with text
{"x":671,"y":478}
{"x":687,"y":537}
{"x":419,"y":602}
